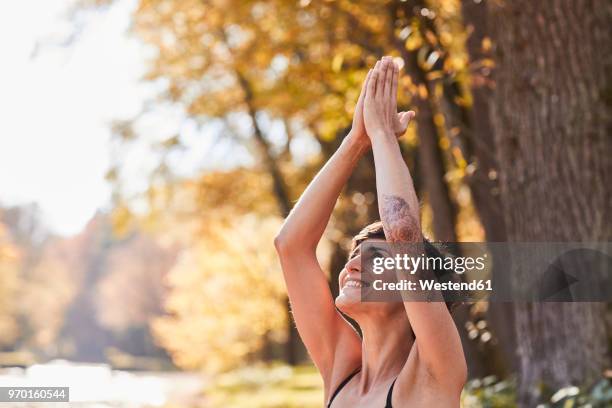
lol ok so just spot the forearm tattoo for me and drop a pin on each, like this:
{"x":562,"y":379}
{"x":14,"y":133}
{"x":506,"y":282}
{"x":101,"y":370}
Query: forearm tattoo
{"x":398,"y":221}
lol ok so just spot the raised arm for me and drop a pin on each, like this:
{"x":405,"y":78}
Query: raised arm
{"x":326,"y":335}
{"x":437,"y":339}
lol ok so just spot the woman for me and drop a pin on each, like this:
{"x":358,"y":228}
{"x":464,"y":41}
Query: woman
{"x":410,"y":354}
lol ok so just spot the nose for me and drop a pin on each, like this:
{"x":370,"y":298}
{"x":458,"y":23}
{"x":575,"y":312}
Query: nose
{"x":354,"y":264}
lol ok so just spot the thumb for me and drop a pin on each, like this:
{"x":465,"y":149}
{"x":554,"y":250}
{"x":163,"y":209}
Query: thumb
{"x":405,"y":117}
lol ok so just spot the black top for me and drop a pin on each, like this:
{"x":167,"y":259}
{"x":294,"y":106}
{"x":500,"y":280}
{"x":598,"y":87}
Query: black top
{"x":347,"y":379}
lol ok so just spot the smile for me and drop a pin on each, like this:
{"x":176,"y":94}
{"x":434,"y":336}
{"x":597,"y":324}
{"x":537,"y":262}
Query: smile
{"x":355,"y":283}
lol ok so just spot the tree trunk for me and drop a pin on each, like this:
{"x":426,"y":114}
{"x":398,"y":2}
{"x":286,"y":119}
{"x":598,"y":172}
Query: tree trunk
{"x":552,"y":122}
{"x":295,"y":349}
{"x":483,"y":182}
{"x":433,"y":171}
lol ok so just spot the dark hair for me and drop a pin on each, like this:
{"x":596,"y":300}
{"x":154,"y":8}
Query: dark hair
{"x":376,"y":231}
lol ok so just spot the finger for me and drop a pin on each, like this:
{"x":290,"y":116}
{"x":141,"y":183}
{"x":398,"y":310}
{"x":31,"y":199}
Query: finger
{"x":401,"y":126}
{"x":377,"y":70}
{"x":365,"y":82}
{"x":394,"y":87}
{"x":405,"y":117}
{"x":371,"y":88}
{"x":364,"y":88}
{"x":380,"y":83}
{"x":388,"y":77}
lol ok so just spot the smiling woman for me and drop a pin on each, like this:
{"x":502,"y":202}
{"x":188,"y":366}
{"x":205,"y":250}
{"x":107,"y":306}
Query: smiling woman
{"x":410,"y":352}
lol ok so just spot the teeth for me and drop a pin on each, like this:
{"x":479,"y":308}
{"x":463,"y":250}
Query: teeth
{"x":353,"y":284}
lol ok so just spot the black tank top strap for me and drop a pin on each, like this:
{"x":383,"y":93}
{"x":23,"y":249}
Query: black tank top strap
{"x":346,"y":381}
{"x":390,"y":395}
{"x":342,"y":384}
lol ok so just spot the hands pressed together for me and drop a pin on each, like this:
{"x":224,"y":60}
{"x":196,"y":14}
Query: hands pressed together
{"x":376,"y":113}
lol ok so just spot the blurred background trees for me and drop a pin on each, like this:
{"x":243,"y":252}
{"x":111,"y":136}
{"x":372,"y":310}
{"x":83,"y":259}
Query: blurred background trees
{"x":9,"y":286}
{"x":227,"y":294}
{"x":510,"y":142}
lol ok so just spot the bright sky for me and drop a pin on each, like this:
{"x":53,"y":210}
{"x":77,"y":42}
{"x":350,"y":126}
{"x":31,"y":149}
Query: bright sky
{"x":56,"y":103}
{"x":58,"y":99}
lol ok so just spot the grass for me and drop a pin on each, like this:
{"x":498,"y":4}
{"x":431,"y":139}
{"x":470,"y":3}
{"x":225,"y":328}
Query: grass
{"x":277,"y":386}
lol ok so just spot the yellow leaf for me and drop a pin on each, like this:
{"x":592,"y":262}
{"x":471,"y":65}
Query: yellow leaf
{"x":337,"y":62}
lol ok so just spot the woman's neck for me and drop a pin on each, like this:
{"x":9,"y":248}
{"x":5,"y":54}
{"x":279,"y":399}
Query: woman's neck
{"x":387,"y":341}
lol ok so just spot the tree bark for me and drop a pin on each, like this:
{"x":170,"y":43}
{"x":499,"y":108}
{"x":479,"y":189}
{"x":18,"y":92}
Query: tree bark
{"x":433,"y":171}
{"x":552,"y":123}
{"x":483,"y":181}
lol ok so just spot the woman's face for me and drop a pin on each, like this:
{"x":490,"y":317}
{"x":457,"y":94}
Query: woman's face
{"x":353,"y":284}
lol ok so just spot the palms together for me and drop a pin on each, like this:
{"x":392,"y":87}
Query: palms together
{"x":400,"y":119}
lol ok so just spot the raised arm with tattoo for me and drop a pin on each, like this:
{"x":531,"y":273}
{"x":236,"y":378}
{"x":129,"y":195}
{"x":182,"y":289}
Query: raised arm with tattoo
{"x":437,"y":338}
